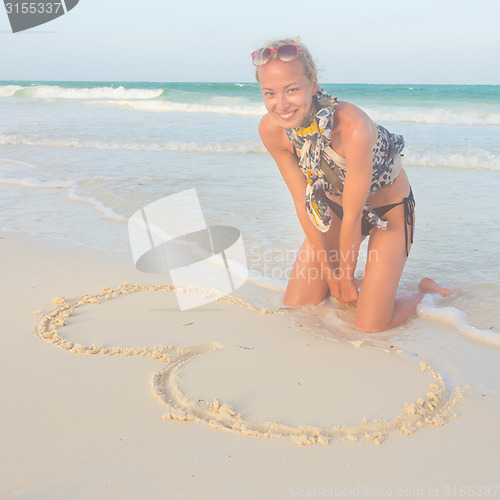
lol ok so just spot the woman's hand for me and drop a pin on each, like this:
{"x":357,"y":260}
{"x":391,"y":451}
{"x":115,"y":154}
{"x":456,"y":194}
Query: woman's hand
{"x":344,"y":291}
{"x":334,"y":285}
{"x":348,"y":292}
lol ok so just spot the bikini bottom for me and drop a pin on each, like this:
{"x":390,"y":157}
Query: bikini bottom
{"x":409,"y":206}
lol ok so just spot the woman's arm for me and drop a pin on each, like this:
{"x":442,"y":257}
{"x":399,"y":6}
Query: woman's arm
{"x":358,"y":134}
{"x":276,"y":142}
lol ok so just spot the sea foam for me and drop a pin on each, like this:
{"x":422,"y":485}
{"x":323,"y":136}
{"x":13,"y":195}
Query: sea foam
{"x":56,"y":92}
{"x":465,"y":159}
{"x":180,"y":107}
{"x":428,"y":308}
{"x":185,"y":147}
{"x":72,"y":193}
{"x":33,"y":182}
{"x":435,"y":116}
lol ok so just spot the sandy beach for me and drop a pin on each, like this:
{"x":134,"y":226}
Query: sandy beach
{"x":129,"y":134}
{"x":238,"y":403}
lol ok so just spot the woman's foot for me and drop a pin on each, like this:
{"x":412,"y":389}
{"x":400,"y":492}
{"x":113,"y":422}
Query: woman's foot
{"x":430,"y":286}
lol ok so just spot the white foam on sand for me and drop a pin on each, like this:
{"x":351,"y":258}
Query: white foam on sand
{"x":435,"y":407}
{"x":429,"y":309}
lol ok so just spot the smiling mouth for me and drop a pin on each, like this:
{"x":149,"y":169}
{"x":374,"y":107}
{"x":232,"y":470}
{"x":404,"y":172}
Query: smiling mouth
{"x":287,"y":116}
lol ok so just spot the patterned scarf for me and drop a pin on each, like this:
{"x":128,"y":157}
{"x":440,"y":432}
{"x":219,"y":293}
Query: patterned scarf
{"x":311,"y":141}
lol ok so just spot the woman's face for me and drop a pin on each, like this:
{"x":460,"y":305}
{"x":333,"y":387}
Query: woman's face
{"x":287,"y":92}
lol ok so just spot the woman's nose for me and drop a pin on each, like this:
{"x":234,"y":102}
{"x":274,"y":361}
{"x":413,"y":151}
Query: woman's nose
{"x":282,"y":101}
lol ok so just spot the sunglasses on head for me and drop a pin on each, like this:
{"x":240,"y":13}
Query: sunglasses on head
{"x":285,"y":53}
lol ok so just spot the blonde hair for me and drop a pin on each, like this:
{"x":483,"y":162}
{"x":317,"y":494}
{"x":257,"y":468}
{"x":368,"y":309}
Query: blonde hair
{"x":303,"y":56}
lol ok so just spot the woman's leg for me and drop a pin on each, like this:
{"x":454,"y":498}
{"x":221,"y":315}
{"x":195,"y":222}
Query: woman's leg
{"x":377,"y":307}
{"x":307,"y":285}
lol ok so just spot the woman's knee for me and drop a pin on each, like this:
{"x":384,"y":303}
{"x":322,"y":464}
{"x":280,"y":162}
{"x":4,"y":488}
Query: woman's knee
{"x":296,"y":296}
{"x":371,"y":323}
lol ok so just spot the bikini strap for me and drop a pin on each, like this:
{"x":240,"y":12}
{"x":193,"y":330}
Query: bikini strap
{"x":409,"y":206}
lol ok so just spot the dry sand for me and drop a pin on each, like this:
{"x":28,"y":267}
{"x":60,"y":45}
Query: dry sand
{"x":111,"y":391}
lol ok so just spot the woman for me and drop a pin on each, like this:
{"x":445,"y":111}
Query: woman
{"x":338,"y":164}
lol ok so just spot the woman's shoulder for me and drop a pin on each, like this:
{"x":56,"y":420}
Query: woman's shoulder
{"x":267,"y":126}
{"x":273,"y":136}
{"x":353,"y":121}
{"x":350,"y":114}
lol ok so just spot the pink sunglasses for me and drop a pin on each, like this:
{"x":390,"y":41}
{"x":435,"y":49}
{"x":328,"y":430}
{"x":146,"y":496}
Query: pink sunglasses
{"x":285,"y":53}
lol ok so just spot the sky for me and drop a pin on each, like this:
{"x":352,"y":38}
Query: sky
{"x":352,"y":41}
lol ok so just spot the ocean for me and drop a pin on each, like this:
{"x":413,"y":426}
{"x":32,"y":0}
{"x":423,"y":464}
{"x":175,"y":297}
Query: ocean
{"x":77,"y":159}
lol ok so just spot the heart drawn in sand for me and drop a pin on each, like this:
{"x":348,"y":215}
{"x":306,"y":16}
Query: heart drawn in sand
{"x":435,"y":408}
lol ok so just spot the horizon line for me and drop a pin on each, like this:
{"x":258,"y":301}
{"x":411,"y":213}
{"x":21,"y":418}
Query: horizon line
{"x":233,"y":82}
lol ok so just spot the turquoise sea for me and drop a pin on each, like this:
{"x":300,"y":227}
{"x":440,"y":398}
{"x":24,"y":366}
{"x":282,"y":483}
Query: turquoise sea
{"x":77,"y":159}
